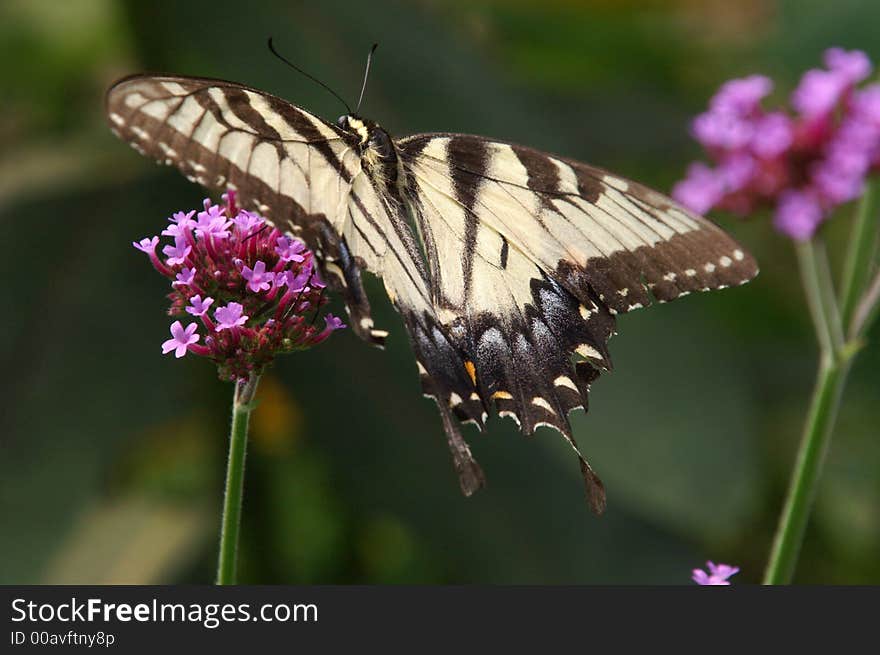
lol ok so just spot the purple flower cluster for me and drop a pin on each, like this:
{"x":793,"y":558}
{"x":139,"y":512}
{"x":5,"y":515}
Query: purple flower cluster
{"x":803,"y":163}
{"x":255,"y":291}
{"x":718,"y":574}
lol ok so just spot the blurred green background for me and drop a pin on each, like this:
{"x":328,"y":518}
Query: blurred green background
{"x":112,"y":456}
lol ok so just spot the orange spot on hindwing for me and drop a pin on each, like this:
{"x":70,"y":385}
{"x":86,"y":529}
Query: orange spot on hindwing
{"x":472,"y":371}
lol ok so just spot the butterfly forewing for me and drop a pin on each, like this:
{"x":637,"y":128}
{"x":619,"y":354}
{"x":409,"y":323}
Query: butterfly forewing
{"x":289,"y":164}
{"x":582,"y":225}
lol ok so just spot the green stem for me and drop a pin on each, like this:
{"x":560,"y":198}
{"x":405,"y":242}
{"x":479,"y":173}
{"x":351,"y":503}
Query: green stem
{"x":866,"y":311}
{"x":808,"y":468}
{"x":814,"y":290}
{"x":242,"y":405}
{"x":862,"y":249}
{"x":830,"y":380}
{"x":830,"y":309}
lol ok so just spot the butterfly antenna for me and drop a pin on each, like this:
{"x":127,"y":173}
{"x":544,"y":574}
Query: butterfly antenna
{"x":253,"y":234}
{"x":366,"y":75}
{"x":294,"y":304}
{"x":318,"y":306}
{"x":311,"y":77}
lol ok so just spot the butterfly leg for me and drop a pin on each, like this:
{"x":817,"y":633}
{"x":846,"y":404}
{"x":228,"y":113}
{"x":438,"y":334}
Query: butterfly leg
{"x":344,"y":275}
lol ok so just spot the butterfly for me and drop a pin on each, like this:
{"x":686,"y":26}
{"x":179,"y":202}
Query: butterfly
{"x":508,"y":265}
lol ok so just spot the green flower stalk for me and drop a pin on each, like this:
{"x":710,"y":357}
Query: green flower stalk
{"x":266,"y":297}
{"x":242,"y":405}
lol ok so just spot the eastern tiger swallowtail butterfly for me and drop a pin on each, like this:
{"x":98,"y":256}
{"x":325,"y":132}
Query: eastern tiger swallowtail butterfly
{"x":502,"y":260}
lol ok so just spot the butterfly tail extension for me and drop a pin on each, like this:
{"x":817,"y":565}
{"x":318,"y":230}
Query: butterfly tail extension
{"x":447,"y":381}
{"x":470,"y":475}
{"x":594,"y":487}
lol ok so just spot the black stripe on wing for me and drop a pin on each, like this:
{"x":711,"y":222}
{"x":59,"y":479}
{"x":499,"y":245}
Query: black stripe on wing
{"x":466,"y":185}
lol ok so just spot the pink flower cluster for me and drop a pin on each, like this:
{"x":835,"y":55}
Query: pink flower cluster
{"x":802,"y":163}
{"x":261,"y":285}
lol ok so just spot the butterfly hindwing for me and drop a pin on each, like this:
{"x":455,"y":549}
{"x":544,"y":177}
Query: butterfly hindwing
{"x":531,"y":256}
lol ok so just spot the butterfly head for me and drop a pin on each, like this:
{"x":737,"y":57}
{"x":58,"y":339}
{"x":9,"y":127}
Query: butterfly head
{"x":355,"y":125}
{"x":371,"y":138}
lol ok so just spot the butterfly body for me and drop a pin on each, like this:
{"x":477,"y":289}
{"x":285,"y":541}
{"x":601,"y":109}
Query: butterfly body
{"x":503,"y":261}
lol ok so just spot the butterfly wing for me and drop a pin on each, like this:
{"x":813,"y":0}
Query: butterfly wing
{"x":582,"y":225}
{"x":530,"y":257}
{"x":296,"y":169}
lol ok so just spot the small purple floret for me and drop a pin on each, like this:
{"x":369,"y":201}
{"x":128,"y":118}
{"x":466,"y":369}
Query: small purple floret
{"x":258,"y":279}
{"x":741,"y":96}
{"x":773,"y":135}
{"x":178,"y":252}
{"x":185,"y":276}
{"x":735,"y":171}
{"x":797,"y":215}
{"x":147,"y":245}
{"x":717,"y":576}
{"x":181,"y":339}
{"x":333,"y":322}
{"x":184,"y":219}
{"x":853,"y":66}
{"x":212,"y":222}
{"x":248,"y":222}
{"x":722,"y":130}
{"x":199,"y":306}
{"x":818,"y":92}
{"x":298,"y":281}
{"x":290,"y":250}
{"x":700,"y":190}
{"x":230,"y":316}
